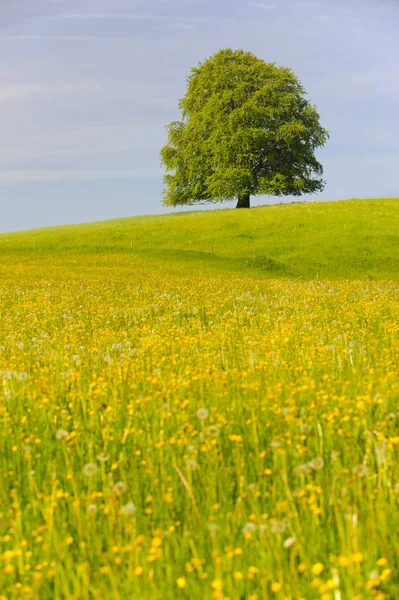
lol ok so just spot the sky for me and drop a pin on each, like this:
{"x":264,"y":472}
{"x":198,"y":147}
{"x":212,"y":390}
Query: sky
{"x":88,"y":86}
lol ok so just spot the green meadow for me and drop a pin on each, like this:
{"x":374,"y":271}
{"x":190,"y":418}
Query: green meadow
{"x":202,"y":406}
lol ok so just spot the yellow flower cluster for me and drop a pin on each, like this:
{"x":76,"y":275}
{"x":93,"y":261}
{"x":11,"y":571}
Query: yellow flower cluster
{"x":189,"y":435}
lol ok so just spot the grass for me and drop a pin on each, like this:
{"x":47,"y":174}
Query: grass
{"x":181,"y":424}
{"x":334,"y":240}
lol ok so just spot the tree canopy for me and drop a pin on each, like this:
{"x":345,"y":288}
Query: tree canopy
{"x":246,"y":129}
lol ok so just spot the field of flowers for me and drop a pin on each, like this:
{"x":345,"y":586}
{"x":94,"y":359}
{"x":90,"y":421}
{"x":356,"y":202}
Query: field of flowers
{"x":194,"y":435}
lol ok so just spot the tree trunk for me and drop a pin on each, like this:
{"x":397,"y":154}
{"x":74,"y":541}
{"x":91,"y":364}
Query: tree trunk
{"x":243,"y":201}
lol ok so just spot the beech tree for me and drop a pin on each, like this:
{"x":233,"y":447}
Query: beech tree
{"x":246,"y":129}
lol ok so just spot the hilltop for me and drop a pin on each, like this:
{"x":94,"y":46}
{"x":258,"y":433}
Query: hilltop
{"x":352,"y":239}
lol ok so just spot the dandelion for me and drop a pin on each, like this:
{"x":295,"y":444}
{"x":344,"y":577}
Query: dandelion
{"x":61,"y":433}
{"x":202,"y":413}
{"x":278,"y":526}
{"x":212,"y":431}
{"x":92,"y":508}
{"x":275,"y":444}
{"x":119,"y":487}
{"x":128,"y":509}
{"x":90,"y":469}
{"x":249,"y":528}
{"x":302,"y":469}
{"x":181,"y":582}
{"x":289,"y":542}
{"x":316,"y":464}
{"x":102,"y":457}
{"x":360,"y":471}
{"x":317,"y":568}
{"x":191,"y":464}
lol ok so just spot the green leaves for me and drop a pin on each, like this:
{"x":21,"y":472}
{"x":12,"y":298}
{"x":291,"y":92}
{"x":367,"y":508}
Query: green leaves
{"x":246,"y":128}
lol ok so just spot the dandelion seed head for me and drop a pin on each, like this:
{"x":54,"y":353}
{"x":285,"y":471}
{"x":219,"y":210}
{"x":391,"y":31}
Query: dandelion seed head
{"x":61,"y":433}
{"x":90,"y":469}
{"x":119,"y":487}
{"x":202,"y":413}
{"x":249,"y":528}
{"x":316,"y":463}
{"x":128,"y":509}
{"x":360,"y":471}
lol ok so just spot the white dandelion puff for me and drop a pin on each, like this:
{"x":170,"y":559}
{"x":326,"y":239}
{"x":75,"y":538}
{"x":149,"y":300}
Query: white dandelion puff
{"x":119,"y":487}
{"x":102,"y":457}
{"x":202,"y":413}
{"x":249,"y":528}
{"x":191,"y":464}
{"x":213,"y":431}
{"x":360,"y":471}
{"x":316,"y":463}
{"x":128,"y":509}
{"x":90,"y":469}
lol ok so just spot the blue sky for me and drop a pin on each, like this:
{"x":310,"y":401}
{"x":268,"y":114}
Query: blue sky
{"x":87,"y":87}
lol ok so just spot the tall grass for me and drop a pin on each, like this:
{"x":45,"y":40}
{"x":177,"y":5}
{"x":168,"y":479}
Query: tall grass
{"x":192,"y":428}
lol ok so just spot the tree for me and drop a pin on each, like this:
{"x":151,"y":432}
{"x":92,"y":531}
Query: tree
{"x":246,"y":129}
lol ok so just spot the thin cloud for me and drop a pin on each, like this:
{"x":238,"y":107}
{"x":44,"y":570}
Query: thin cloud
{"x":264,"y":6}
{"x":21,"y":177}
{"x":66,"y":38}
{"x":325,"y":18}
{"x":14,"y":91}
{"x":117,"y":16}
{"x":179,"y":26}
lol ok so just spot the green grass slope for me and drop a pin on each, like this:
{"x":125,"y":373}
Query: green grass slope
{"x":352,"y":239}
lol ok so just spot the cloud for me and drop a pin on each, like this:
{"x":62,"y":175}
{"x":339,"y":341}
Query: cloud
{"x":264,"y":6}
{"x":13,"y":91}
{"x":323,"y":18}
{"x":18,"y":177}
{"x":117,"y":16}
{"x":181,"y":26}
{"x":66,"y":38}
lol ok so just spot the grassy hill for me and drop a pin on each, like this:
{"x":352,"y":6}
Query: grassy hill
{"x":353,"y":239}
{"x":177,"y":423}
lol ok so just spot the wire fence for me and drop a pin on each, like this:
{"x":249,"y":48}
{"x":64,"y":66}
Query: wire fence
{"x":248,"y":253}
